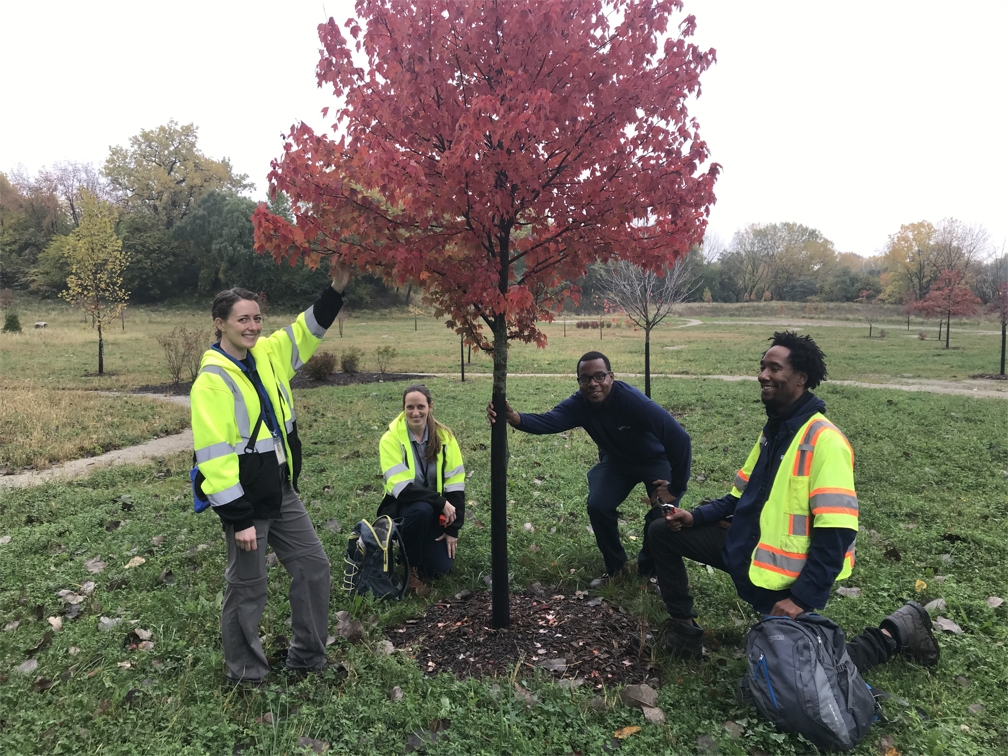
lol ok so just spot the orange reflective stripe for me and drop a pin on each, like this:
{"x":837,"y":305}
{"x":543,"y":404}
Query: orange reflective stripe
{"x":771,"y":558}
{"x":741,"y":480}
{"x":833,"y":501}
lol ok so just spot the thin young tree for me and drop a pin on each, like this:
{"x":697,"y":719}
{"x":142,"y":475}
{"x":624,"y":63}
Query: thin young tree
{"x":97,"y":261}
{"x":490,"y":152}
{"x":948,"y":297}
{"x":646,"y":297}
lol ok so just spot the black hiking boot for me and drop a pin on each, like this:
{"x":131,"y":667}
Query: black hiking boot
{"x":683,"y":638}
{"x":627,"y":569}
{"x":910,"y":625}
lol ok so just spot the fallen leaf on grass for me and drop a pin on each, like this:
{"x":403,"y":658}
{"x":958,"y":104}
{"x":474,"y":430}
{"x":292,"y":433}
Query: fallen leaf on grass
{"x":396,"y":693}
{"x":56,"y":623}
{"x":167,"y":577}
{"x":947,"y":625}
{"x":10,"y":626}
{"x":849,"y":592}
{"x":994,"y":601}
{"x":333,"y":526}
{"x":735,"y":730}
{"x":42,"y":644}
{"x":894,"y":554}
{"x":157,"y":540}
{"x":523,"y":695}
{"x":88,"y":587}
{"x":947,"y":558}
{"x":963,"y":681}
{"x":73,"y":650}
{"x":107,"y":623}
{"x":27,"y":667}
{"x":330,"y":639}
{"x":936,"y":606}
{"x":385,"y":647}
{"x":5,"y":540}
{"x":112,"y":525}
{"x":891,"y":751}
{"x":654,"y":714}
{"x":528,"y":527}
{"x":706,"y":744}
{"x":639,"y":696}
{"x":41,"y":684}
{"x":975,"y":708}
{"x":271,"y":560}
{"x":919,"y":586}
{"x":145,"y":646}
{"x":124,"y":664}
{"x":318,"y":746}
{"x":135,"y":562}
{"x":94,"y":565}
{"x":625,"y":732}
{"x":266,"y":719}
{"x":69,"y":597}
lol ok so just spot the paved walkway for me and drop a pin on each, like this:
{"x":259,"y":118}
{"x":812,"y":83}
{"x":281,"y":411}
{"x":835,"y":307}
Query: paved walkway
{"x":181,"y":442}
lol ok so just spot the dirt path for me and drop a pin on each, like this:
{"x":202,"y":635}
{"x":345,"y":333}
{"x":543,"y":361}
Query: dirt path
{"x":180,"y":442}
{"x":76,"y":468}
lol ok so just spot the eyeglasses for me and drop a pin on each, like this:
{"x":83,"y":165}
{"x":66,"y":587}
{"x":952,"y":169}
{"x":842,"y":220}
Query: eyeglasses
{"x":599,"y":378}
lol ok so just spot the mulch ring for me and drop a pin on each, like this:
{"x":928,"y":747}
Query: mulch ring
{"x":582,"y":639}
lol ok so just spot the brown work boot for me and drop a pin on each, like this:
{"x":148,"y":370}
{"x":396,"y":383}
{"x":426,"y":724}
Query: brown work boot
{"x":416,"y":586}
{"x":682,"y":638}
{"x":910,"y":626}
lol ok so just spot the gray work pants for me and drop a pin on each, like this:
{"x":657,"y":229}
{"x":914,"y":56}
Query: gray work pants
{"x":299,"y":550}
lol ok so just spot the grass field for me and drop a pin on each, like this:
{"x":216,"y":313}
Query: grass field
{"x":930,"y":481}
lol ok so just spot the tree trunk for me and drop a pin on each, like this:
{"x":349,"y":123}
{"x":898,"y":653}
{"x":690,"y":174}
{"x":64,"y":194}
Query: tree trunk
{"x":409,"y":291}
{"x":501,"y":613}
{"x":647,"y":361}
{"x":869,"y":330}
{"x":948,"y":327}
{"x":101,"y":351}
{"x":122,"y":315}
{"x":1004,"y":326}
{"x":462,"y":356}
{"x":565,"y":327}
{"x":469,"y":355}
{"x":940,"y":324}
{"x":414,"y":324}
{"x":908,"y":321}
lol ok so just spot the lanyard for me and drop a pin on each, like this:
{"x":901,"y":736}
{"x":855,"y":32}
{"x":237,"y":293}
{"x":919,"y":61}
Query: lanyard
{"x":265,"y":405}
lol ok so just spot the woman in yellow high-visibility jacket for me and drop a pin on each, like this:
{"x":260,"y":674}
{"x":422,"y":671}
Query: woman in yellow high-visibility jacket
{"x":249,"y":458}
{"x":424,"y":486}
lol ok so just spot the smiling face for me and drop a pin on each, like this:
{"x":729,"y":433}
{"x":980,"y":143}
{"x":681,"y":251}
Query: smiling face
{"x":242,"y":328}
{"x":416,"y":408}
{"x":593,"y":390}
{"x":780,"y":385}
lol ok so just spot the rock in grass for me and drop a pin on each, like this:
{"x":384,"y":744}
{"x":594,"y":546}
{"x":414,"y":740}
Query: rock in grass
{"x":11,"y":626}
{"x":105,"y":624}
{"x":849,"y":592}
{"x":396,"y":694}
{"x":937,"y":605}
{"x":994,"y":601}
{"x":654,"y":714}
{"x":639,"y":696}
{"x":4,"y":540}
{"x":27,"y":667}
{"x":946,"y":625}
{"x":975,"y":708}
{"x":554,"y":665}
{"x":94,"y":565}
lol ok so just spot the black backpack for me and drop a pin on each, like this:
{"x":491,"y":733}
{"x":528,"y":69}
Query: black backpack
{"x":374,"y":554}
{"x":802,"y":679}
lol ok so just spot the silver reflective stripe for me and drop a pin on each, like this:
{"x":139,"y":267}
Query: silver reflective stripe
{"x":832,"y":501}
{"x":289,"y":425}
{"x":262,"y":446}
{"x":241,"y":411}
{"x":220,"y":449}
{"x":295,"y":357}
{"x":395,"y":470}
{"x":313,"y":327}
{"x":740,"y":482}
{"x":806,"y":447}
{"x":799,"y":525}
{"x":227,"y":495}
{"x":786,"y":564}
{"x":452,"y":473}
{"x":398,"y":487}
{"x":454,"y":487}
{"x":290,"y":405}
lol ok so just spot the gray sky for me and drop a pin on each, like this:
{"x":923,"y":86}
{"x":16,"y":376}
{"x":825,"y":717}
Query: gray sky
{"x":853,"y":117}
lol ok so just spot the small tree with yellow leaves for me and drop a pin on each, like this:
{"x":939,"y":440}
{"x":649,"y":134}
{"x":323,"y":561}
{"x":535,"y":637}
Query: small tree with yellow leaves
{"x":97,"y":262}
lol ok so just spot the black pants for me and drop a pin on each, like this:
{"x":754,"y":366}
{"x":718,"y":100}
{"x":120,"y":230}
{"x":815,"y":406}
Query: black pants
{"x":420,"y":530}
{"x":609,"y":483}
{"x":704,"y":544}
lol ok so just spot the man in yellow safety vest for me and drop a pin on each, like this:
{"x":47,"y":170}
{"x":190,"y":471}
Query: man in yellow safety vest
{"x":786,"y":531}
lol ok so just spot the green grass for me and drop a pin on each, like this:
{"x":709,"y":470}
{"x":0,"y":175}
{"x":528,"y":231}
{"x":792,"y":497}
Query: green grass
{"x":928,"y":468}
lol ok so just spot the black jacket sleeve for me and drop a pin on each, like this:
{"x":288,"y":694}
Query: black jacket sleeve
{"x":327,"y":307}
{"x":825,"y":560}
{"x":457,"y":500}
{"x":237,"y":513}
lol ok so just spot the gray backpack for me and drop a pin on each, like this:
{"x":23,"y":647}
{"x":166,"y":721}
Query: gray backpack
{"x":375,"y":551}
{"x":802,"y":679}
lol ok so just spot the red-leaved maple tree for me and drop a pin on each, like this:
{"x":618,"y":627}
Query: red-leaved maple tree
{"x":491,"y":151}
{"x":948,"y":297}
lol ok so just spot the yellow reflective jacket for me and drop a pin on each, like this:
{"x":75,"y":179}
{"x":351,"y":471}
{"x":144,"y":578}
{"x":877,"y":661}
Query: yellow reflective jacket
{"x":399,"y":466}
{"x":814,"y":487}
{"x":235,"y":469}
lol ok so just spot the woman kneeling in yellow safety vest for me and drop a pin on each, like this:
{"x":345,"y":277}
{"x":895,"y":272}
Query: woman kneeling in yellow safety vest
{"x":424,"y":486}
{"x":249,"y":457}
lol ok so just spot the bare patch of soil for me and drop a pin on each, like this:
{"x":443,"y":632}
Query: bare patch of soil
{"x":573,"y":637}
{"x":989,"y":376}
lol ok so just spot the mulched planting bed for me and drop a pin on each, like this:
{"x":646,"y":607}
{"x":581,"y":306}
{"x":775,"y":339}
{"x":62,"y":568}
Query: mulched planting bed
{"x":574,"y":637}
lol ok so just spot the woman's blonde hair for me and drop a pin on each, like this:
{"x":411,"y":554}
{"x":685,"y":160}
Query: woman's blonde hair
{"x":433,"y":437}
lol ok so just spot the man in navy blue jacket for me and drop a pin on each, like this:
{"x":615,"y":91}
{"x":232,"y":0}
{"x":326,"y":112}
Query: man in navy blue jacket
{"x":638,"y":442}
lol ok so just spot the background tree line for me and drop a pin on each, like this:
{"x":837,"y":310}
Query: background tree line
{"x":184,"y":222}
